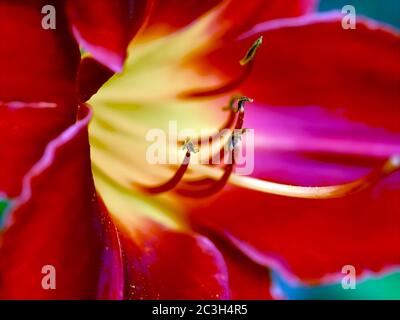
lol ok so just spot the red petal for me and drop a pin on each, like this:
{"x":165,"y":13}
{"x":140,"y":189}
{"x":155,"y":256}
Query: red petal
{"x":311,"y":239}
{"x":313,"y":61}
{"x":105,"y":27}
{"x":36,"y":64}
{"x":57,"y":221}
{"x":92,"y":75}
{"x":239,"y":15}
{"x":164,"y":264}
{"x":170,"y":15}
{"x":26,"y":129}
{"x":247,"y":279}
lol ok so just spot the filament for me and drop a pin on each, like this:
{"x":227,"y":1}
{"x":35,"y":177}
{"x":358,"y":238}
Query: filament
{"x":171,"y":183}
{"x":212,"y":188}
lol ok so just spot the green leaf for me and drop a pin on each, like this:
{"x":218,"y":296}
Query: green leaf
{"x":4,"y":205}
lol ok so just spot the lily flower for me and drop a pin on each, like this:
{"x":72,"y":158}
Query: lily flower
{"x":324,"y":193}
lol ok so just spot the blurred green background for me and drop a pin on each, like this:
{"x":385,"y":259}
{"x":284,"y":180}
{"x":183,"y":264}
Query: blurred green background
{"x":387,"y":287}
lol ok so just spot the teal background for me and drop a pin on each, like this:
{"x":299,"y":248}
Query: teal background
{"x":387,"y":287}
{"x":384,"y":288}
{"x":383,"y":10}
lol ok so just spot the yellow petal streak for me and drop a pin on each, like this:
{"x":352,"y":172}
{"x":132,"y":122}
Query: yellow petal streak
{"x":325,"y":192}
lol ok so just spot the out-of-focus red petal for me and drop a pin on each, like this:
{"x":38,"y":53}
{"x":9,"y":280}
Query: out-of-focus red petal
{"x":165,"y":264}
{"x":239,"y":16}
{"x":310,"y":239}
{"x":57,"y":221}
{"x":247,"y":279}
{"x":36,"y":64}
{"x":92,"y":75}
{"x":26,"y":129}
{"x":170,"y":15}
{"x":105,"y":28}
{"x":312,"y":60}
{"x":38,"y":95}
{"x":236,"y":15}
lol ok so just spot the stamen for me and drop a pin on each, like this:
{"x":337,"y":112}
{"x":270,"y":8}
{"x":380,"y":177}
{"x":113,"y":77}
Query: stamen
{"x":209,"y":139}
{"x":240,"y":120}
{"x":251,"y":52}
{"x":241,"y":101}
{"x":238,"y":126}
{"x":230,"y":121}
{"x":198,"y":182}
{"x":189,"y":146}
{"x":236,"y":138}
{"x":212,"y":188}
{"x":246,"y":62}
{"x":173,"y":182}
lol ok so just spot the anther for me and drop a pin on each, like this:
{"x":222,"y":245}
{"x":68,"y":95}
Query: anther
{"x":232,"y":85}
{"x":251,"y":52}
{"x":236,"y":138}
{"x":239,"y":120}
{"x":240,"y":103}
{"x":189,"y":146}
{"x":230,"y":122}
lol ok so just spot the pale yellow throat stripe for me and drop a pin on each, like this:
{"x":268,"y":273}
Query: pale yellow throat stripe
{"x":325,"y":192}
